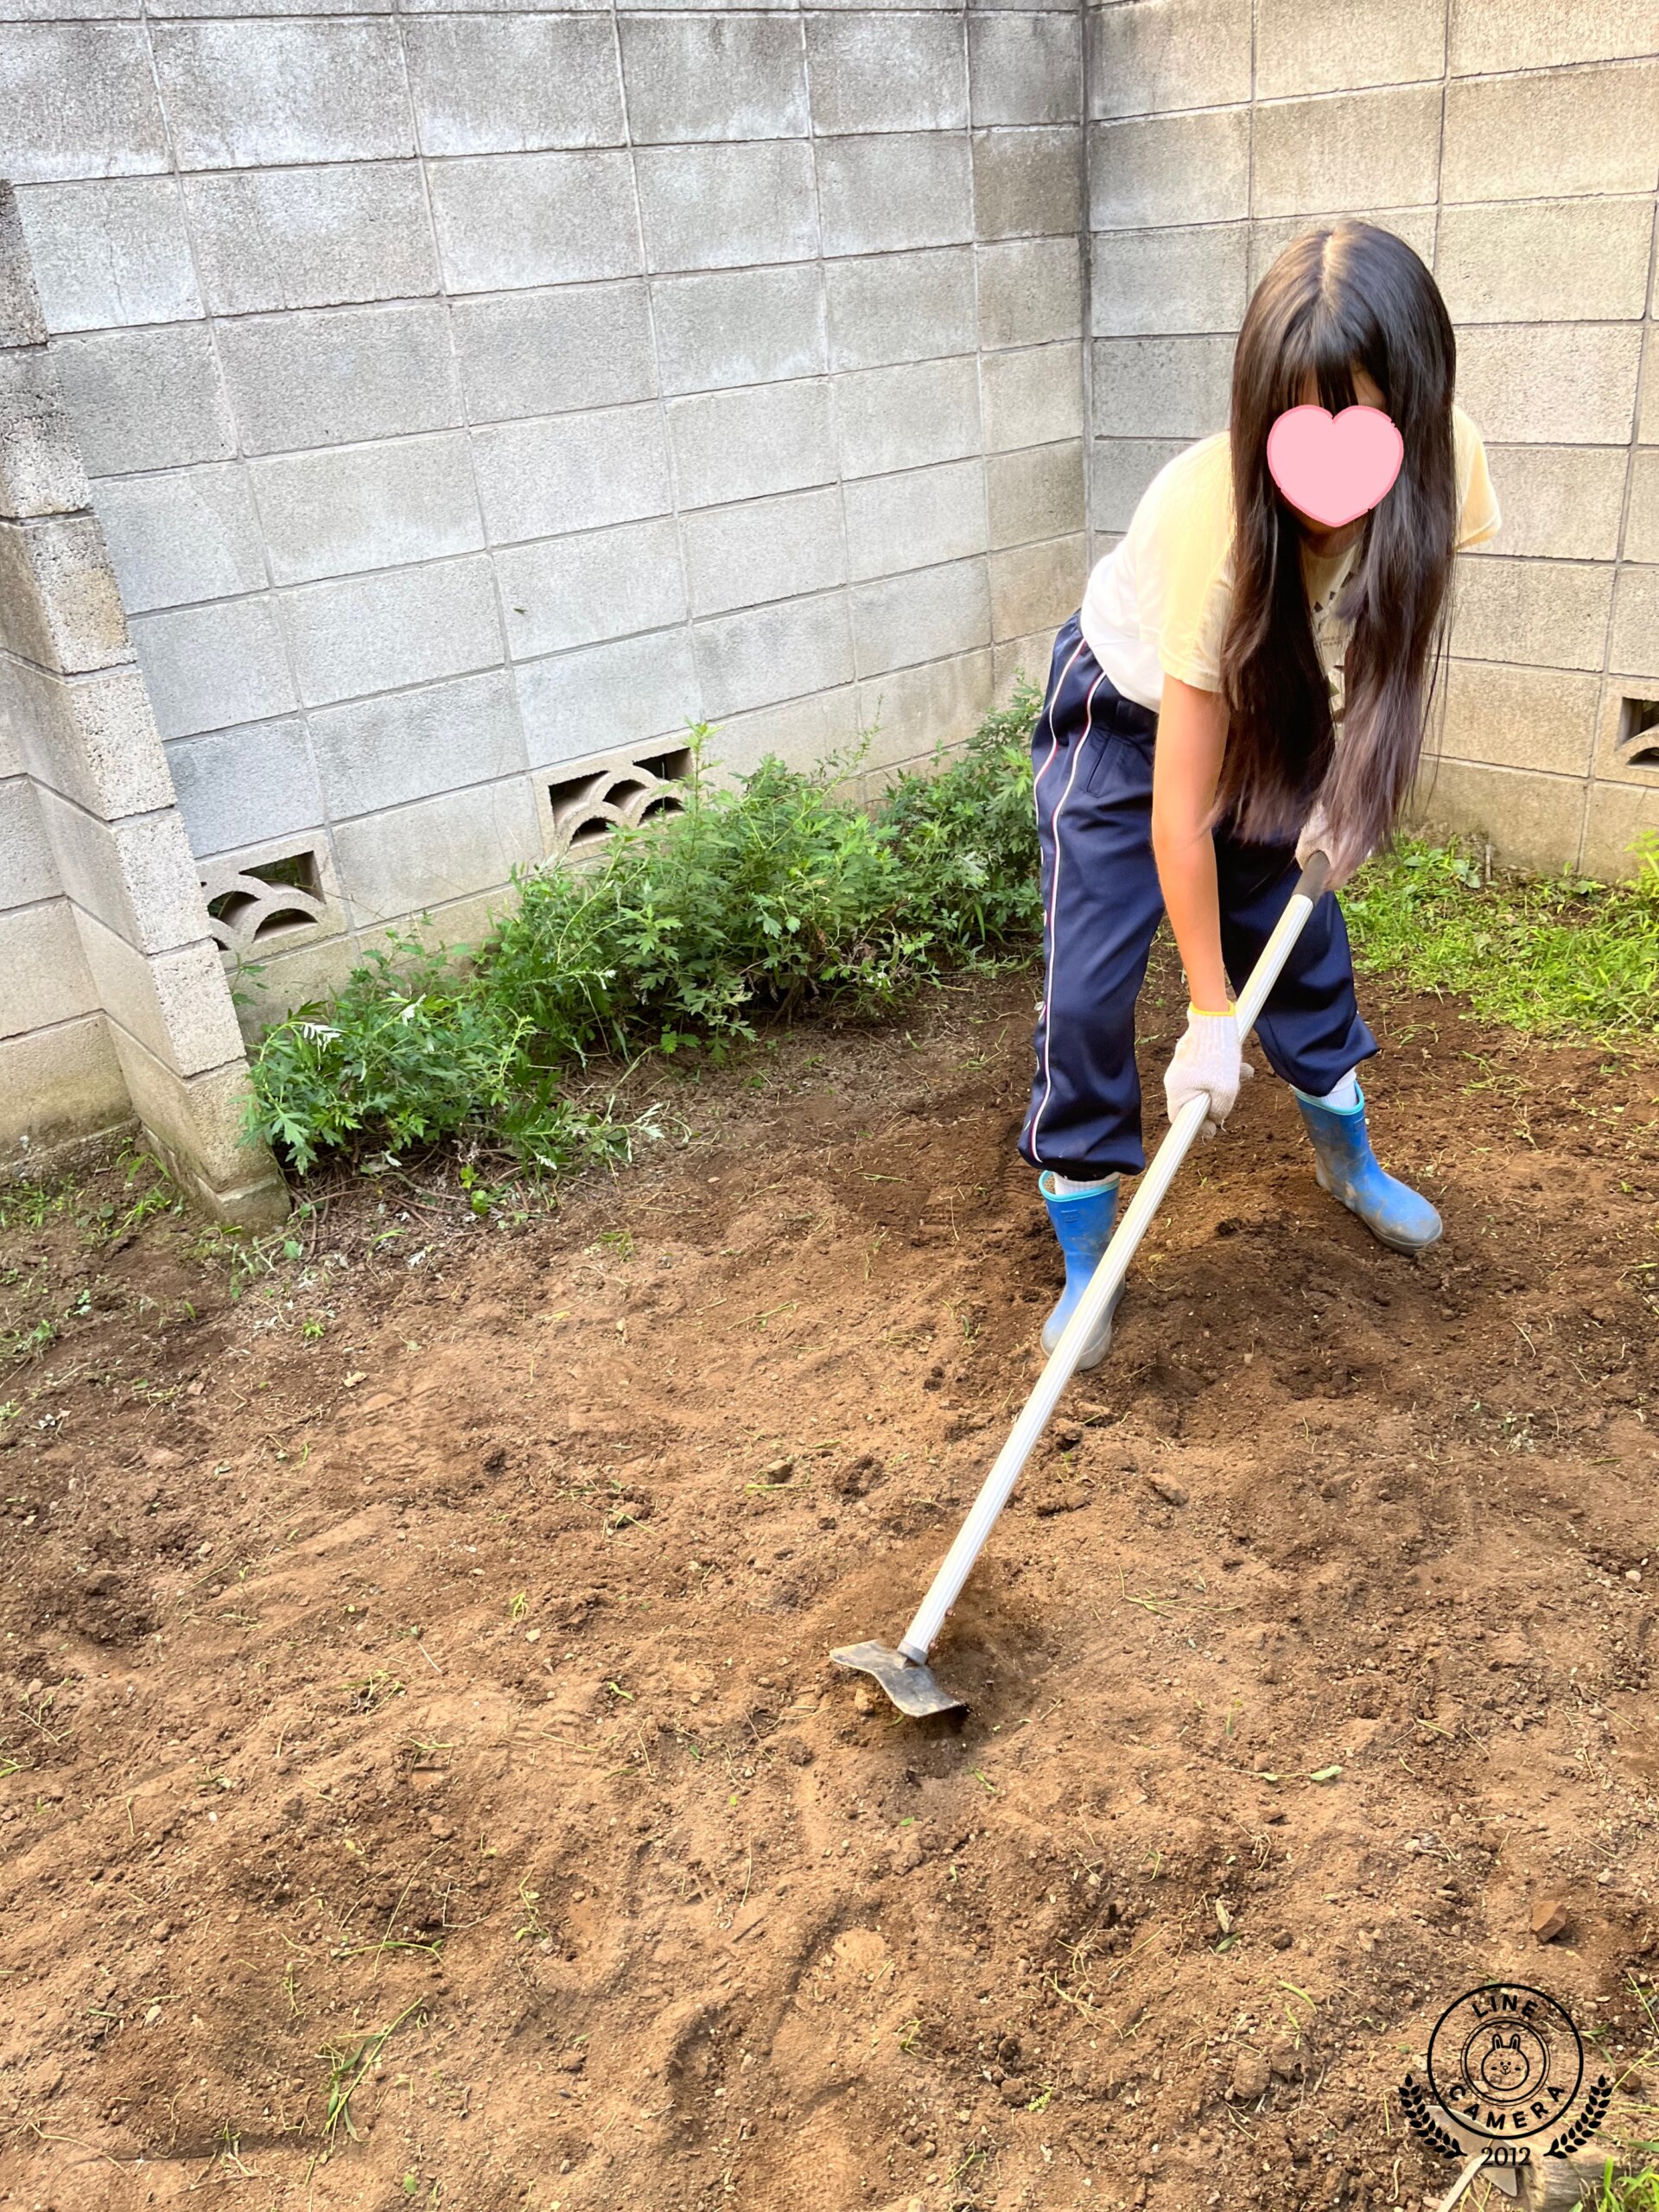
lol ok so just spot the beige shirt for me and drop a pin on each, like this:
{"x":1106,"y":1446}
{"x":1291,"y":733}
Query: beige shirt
{"x":1157,"y":604}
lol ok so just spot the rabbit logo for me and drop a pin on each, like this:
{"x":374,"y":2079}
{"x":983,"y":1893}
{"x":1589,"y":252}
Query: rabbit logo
{"x":1505,"y":2080}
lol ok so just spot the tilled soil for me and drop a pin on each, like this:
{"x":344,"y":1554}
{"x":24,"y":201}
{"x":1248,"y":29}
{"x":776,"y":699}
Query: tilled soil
{"x":425,"y":1785}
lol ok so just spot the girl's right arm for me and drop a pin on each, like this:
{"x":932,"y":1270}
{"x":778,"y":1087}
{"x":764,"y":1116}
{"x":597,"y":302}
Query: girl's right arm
{"x":1186,"y":768}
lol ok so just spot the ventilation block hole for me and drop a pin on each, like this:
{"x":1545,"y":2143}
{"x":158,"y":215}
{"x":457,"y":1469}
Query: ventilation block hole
{"x":1638,"y":733}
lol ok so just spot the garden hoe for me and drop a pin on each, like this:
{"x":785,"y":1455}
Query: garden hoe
{"x":904,"y":1674}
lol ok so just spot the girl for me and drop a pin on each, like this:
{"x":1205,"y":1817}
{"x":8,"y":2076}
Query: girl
{"x":1195,"y":720}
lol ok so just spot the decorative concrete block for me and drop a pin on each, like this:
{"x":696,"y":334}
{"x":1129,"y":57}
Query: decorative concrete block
{"x":93,"y":738}
{"x":725,"y":206}
{"x":58,"y":1085}
{"x":1541,"y":613}
{"x":905,"y":417}
{"x":409,"y":745}
{"x":207,"y":667}
{"x":337,"y":375}
{"x":1036,"y":493}
{"x":1030,"y":290}
{"x":925,"y":615}
{"x":1641,"y":526}
{"x":40,"y":473}
{"x":768,"y":654}
{"x":312,"y":238}
{"x":144,"y":398}
{"x":109,"y":252}
{"x":1543,"y":136}
{"x":1519,"y":717}
{"x":461,"y":841}
{"x":1416,"y":225}
{"x":911,"y":712}
{"x":887,"y":195}
{"x":31,"y":866}
{"x":45,"y":969}
{"x":1532,"y":821}
{"x":59,"y":604}
{"x":747,"y":326}
{"x":506,"y":222}
{"x":190,"y":534}
{"x":354,"y":507}
{"x":1170,"y":170}
{"x":737,"y":445}
{"x":78,"y":99}
{"x":1624,"y":754}
{"x":404,"y":626}
{"x":274,"y":895}
{"x":900,"y":307}
{"x":1034,"y":398}
{"x":1026,"y":69}
{"x":571,"y":472}
{"x":1163,"y":283}
{"x":1034,"y":588}
{"x":1332,"y":153}
{"x":873,"y":72}
{"x":240,"y":786}
{"x":771,"y":549}
{"x":1546,"y":261}
{"x":253,"y":95}
{"x":916,"y":521}
{"x":1488,"y":35}
{"x":624,"y":694}
{"x":174,"y":1003}
{"x":1027,"y":183}
{"x":514,"y":84}
{"x":1169,"y":53}
{"x":1634,"y":647}
{"x":604,"y":583}
{"x":724,"y":76}
{"x":1122,"y":469}
{"x":137,"y":877}
{"x":1329,"y":46}
{"x":1566,"y":384}
{"x":1620,"y":821}
{"x":541,"y":352}
{"x":1563,"y":502}
{"x":1162,"y":387}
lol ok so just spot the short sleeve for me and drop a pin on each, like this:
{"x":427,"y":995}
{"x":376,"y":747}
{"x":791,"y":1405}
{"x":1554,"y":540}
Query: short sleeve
{"x":1479,"y":516}
{"x":1194,"y":561}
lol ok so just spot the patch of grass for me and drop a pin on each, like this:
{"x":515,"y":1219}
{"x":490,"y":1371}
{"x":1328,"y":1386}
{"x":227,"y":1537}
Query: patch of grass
{"x":1633,"y":2193}
{"x":1557,"y":957}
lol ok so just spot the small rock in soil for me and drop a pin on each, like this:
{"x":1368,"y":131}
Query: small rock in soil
{"x":1548,"y":1919}
{"x":1251,"y":2074}
{"x":1172,"y":1493}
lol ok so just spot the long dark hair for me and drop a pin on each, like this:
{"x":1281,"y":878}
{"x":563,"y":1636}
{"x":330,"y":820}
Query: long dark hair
{"x":1351,"y":296}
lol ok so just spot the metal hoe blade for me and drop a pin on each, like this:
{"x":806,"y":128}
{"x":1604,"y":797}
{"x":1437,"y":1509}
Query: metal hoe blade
{"x":915,"y":1690}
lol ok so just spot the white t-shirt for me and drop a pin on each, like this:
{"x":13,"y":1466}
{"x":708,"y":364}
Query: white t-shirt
{"x":1157,"y":604}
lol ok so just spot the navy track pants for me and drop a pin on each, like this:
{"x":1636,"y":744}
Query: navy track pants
{"x":1091,"y":761}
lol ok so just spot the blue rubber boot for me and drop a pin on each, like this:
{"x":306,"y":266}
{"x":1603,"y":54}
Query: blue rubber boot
{"x":1083,"y":1222}
{"x":1350,"y":1170}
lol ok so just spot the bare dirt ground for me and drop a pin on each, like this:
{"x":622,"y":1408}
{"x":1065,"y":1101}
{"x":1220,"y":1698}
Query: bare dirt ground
{"x":423,"y":1781}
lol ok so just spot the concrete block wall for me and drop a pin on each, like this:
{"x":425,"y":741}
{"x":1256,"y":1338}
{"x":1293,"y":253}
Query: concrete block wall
{"x":472,"y":398}
{"x":1516,"y":147}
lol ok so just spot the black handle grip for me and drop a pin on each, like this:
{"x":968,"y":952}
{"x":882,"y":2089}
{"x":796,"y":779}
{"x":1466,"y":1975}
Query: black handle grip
{"x":1311,"y":881}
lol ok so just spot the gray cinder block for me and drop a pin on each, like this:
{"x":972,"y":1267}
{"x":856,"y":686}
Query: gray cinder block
{"x":1545,"y":261}
{"x":330,"y":376}
{"x":910,"y":712}
{"x":543,"y":352}
{"x":46,"y":982}
{"x":1517,"y":35}
{"x":92,"y":738}
{"x":1032,"y":397}
{"x":764,"y":550}
{"x":404,"y":626}
{"x":602,"y":584}
{"x":208,"y":667}
{"x":1028,"y":183}
{"x":571,"y":472}
{"x":411,"y":857}
{"x":1538,"y":718}
{"x":884,"y":195}
{"x":41,"y":471}
{"x":1548,"y":614}
{"x":1567,"y":383}
{"x":59,"y":604}
{"x":1642,"y":525}
{"x":747,"y":326}
{"x":190,"y":534}
{"x":1162,"y":387}
{"x":249,"y":94}
{"x":694,"y":76}
{"x":109,"y":253}
{"x":900,"y":307}
{"x":737,"y":445}
{"x":144,"y":398}
{"x":1169,"y":53}
{"x":1036,"y":493}
{"x":31,"y":870}
{"x":608,"y":695}
{"x":1170,"y":170}
{"x":875,"y":72}
{"x":1634,"y":648}
{"x":348,"y":508}
{"x":514,"y":84}
{"x":328,"y":236}
{"x":723,"y":206}
{"x":1026,"y":69}
{"x":1122,"y":469}
{"x":243,"y":787}
{"x":1166,"y":282}
{"x":78,"y":100}
{"x":918,"y":519}
{"x":1030,"y":291}
{"x":1330,"y":46}
{"x":1563,"y":502}
{"x":771,"y":653}
{"x":1348,"y":149}
{"x":508,"y":220}
{"x":905,"y":417}
{"x":1034,"y":588}
{"x":1544,"y":136}
{"x":925,"y":615}
{"x":408,"y":745}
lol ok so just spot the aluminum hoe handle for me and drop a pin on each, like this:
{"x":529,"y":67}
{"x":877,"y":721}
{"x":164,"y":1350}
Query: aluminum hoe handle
{"x":998,"y":1486}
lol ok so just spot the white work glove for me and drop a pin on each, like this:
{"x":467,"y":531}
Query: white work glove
{"x":1207,"y":1060}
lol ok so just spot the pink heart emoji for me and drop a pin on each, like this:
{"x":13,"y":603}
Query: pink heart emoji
{"x":1334,"y":467}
